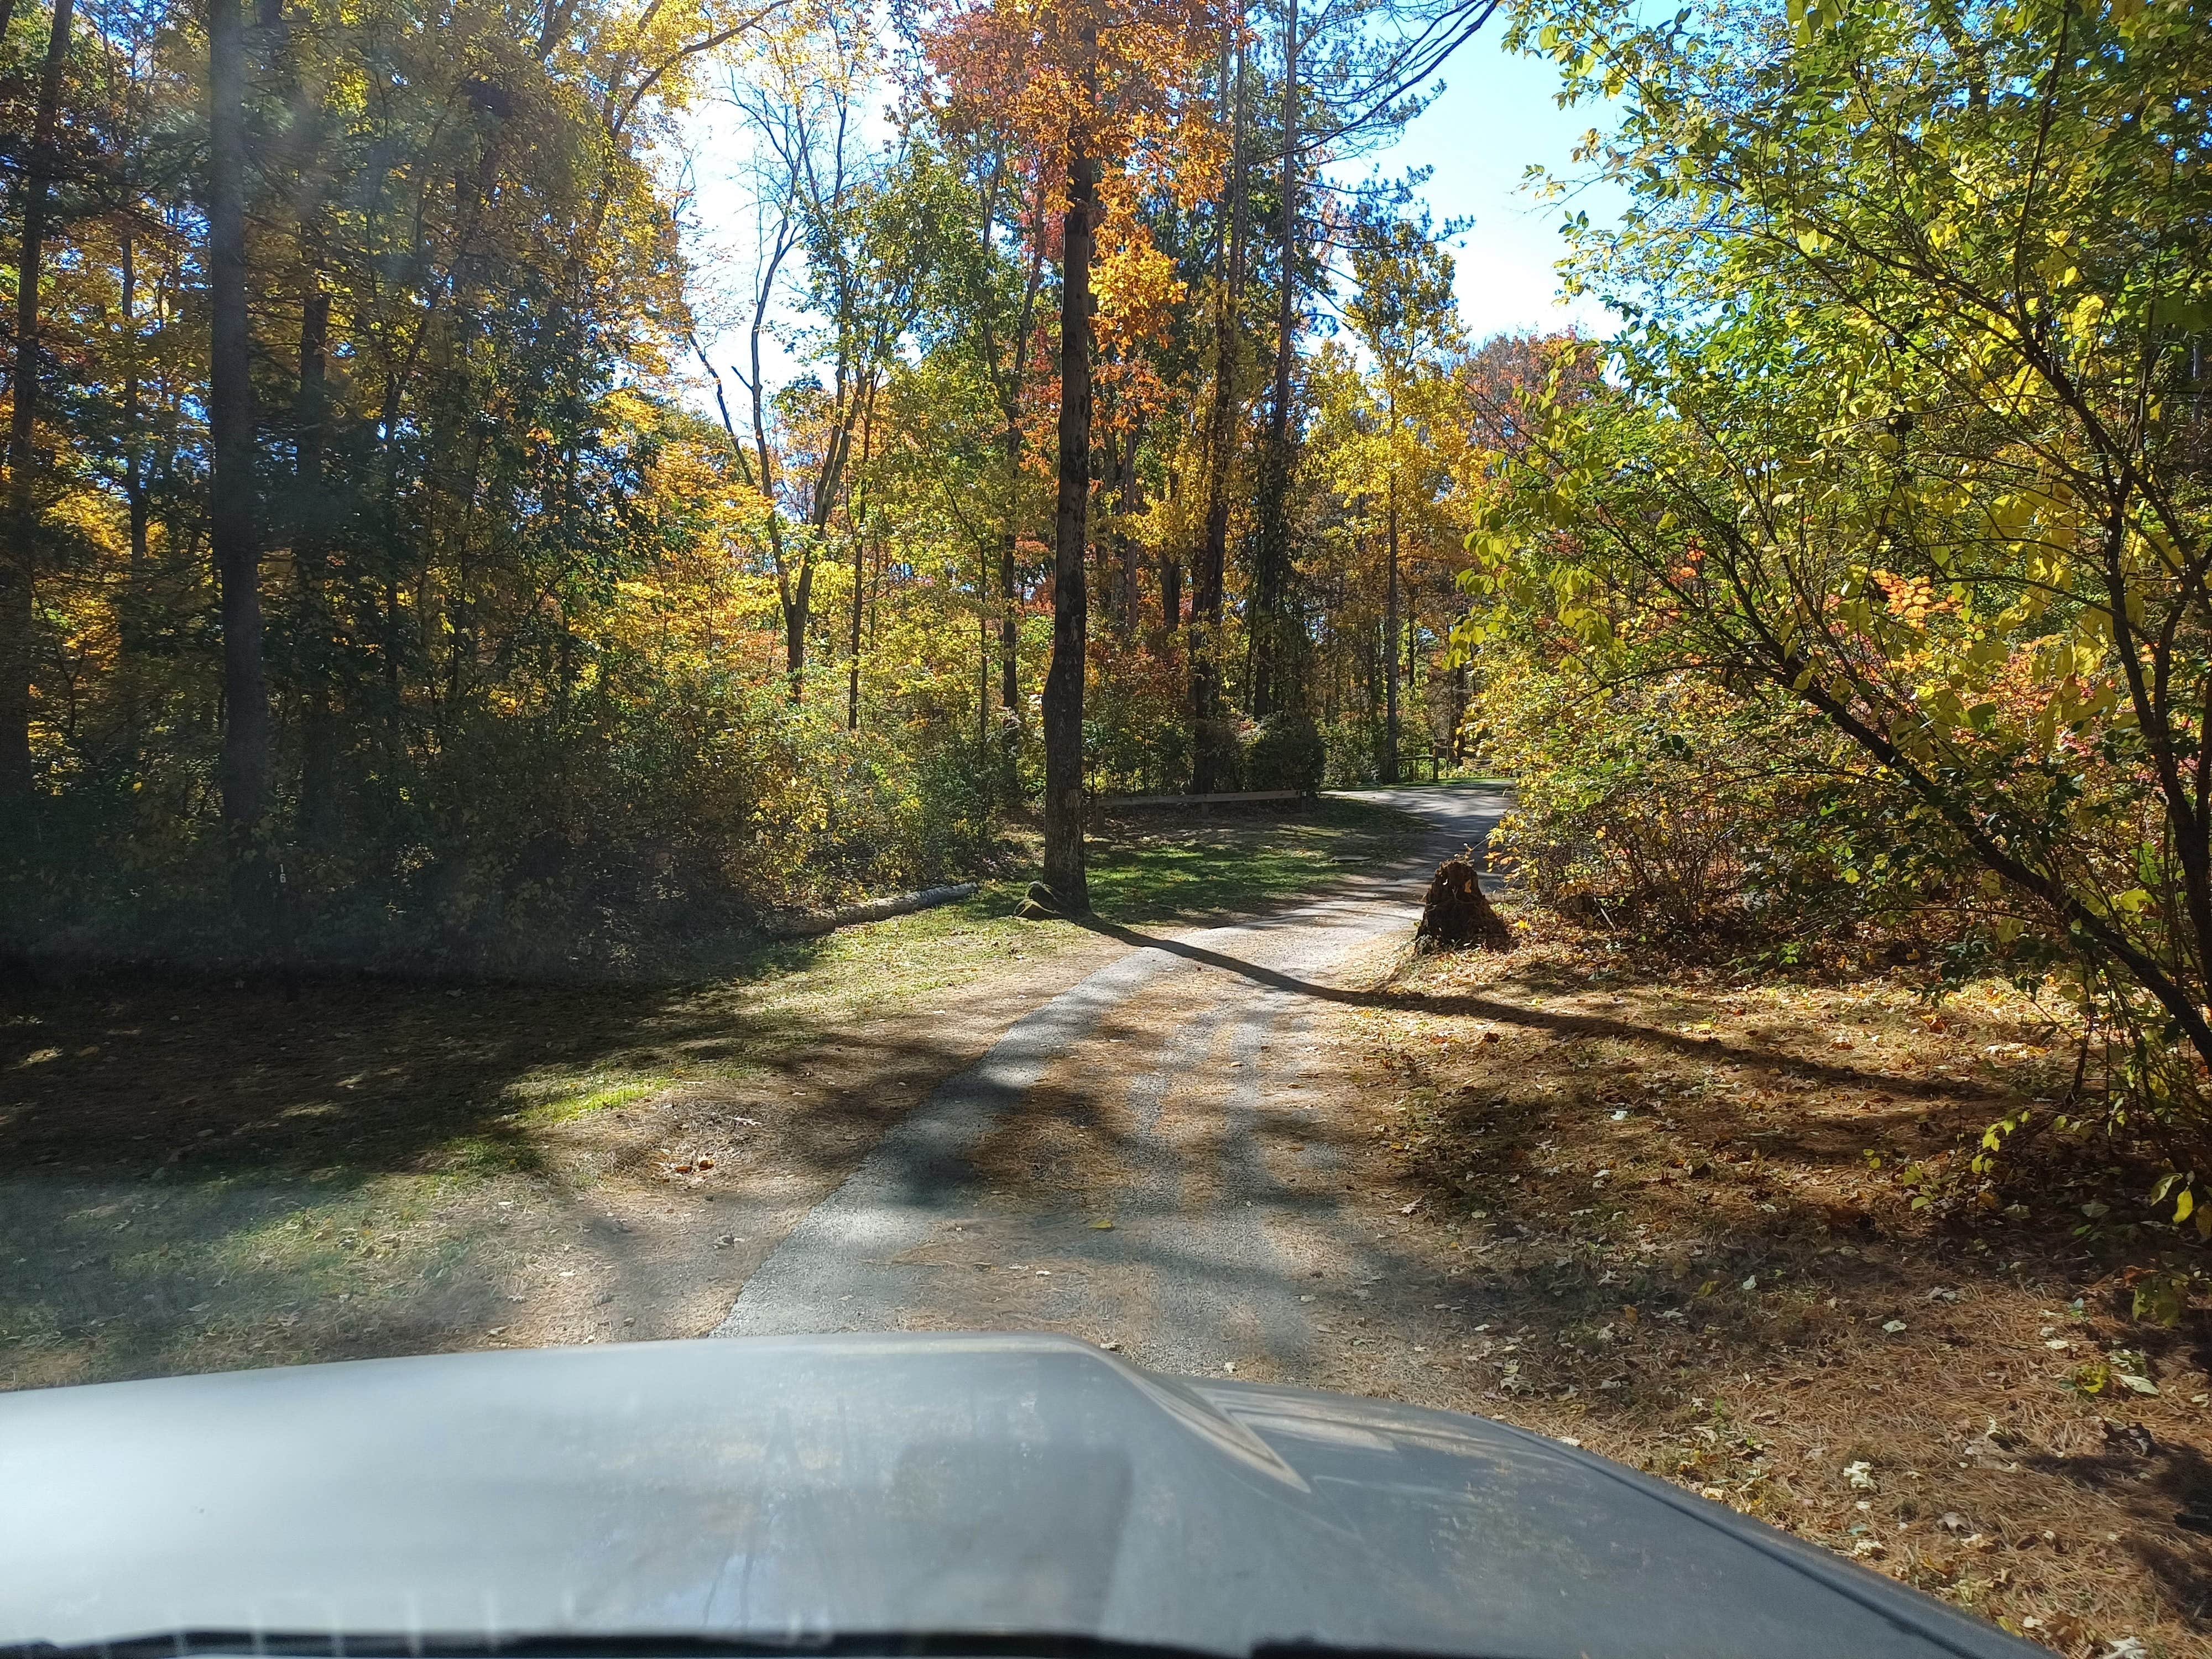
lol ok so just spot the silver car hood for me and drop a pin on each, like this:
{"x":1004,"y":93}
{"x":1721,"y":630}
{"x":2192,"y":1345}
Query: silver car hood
{"x":795,"y":1489}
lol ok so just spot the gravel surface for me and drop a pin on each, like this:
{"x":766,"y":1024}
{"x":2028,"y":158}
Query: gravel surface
{"x":1149,"y":1159}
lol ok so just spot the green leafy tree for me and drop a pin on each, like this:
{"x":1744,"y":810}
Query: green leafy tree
{"x":1909,"y":434}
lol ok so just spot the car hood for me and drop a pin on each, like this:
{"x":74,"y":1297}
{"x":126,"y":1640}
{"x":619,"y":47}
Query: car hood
{"x":799,"y":1488}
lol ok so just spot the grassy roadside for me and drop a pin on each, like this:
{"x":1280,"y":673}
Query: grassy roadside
{"x":1681,"y":1202}
{"x":198,"y":1172}
{"x":1150,"y":866}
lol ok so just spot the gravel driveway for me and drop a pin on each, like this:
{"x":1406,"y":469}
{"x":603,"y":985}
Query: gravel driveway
{"x":1149,"y":1160}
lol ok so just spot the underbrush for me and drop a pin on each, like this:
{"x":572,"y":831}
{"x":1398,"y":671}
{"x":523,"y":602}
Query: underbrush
{"x":1684,"y":825}
{"x":1731,"y":1221}
{"x":644,"y":835}
{"x":1670,"y":812}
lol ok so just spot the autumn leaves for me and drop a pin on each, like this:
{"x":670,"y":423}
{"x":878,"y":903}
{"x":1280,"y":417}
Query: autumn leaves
{"x":1092,"y":93}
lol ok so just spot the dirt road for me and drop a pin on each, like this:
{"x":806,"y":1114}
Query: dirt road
{"x":1144,"y":1161}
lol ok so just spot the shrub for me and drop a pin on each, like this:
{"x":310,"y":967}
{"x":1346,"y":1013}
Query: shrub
{"x":1135,"y":724}
{"x":670,"y":808}
{"x":1353,"y":745}
{"x":1285,"y":753}
{"x":1665,"y":807}
{"x":1221,"y":745}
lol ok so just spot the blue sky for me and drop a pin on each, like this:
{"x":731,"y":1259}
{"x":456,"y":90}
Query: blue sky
{"x":1496,"y":117}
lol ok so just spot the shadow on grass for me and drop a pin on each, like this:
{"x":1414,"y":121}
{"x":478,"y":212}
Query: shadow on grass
{"x":196,"y":1176}
{"x":138,"y":1072}
{"x":184,"y":1152}
{"x":141,"y":1075}
{"x":1152,"y":866}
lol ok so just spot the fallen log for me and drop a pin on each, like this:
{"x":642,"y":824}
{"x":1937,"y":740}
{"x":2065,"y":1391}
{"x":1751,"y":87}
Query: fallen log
{"x":794,"y":924}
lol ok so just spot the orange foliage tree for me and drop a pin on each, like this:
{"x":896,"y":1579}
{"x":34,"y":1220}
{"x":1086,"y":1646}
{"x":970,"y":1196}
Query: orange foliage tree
{"x":1093,"y":94}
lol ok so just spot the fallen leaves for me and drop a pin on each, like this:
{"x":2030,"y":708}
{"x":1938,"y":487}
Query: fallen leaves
{"x":1861,"y":1325}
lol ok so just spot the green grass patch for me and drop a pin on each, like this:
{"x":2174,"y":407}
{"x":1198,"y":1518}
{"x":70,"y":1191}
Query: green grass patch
{"x":1145,"y":868}
{"x":1196,"y":868}
{"x":593,"y":1094}
{"x":200,"y":1171}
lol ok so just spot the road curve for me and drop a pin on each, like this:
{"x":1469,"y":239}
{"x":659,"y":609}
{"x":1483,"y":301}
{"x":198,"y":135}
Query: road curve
{"x":1142,"y":1160}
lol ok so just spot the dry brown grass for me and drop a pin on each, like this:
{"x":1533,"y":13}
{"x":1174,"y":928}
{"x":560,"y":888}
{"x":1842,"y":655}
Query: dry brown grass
{"x":1672,"y":1197}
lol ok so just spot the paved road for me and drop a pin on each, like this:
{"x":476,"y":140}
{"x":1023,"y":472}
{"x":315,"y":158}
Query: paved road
{"x":1136,"y":1161}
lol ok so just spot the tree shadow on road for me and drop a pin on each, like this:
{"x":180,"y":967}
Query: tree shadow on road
{"x":1524,"y":1015}
{"x":203,"y":1171}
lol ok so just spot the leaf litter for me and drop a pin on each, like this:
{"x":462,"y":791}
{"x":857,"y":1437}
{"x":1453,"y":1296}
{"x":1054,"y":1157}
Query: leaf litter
{"x":2062,"y":1491}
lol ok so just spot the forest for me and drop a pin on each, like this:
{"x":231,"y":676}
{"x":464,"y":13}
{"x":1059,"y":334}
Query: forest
{"x":396,"y":567}
{"x":522,"y":517}
{"x":402,"y":565}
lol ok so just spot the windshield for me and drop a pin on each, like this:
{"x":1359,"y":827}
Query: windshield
{"x":1183,"y":824}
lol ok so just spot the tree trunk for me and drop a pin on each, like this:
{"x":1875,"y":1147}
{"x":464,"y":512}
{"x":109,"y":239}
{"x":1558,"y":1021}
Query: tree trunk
{"x":1104,"y":588}
{"x":1132,"y":503}
{"x":1413,"y":628}
{"x":232,"y":532}
{"x":794,"y":598}
{"x":17,"y":569}
{"x":1459,"y":713}
{"x":311,"y":563}
{"x":860,"y":563}
{"x":1010,"y":628}
{"x":852,"y":666}
{"x":1390,"y":648}
{"x":1063,"y":685}
{"x":1273,"y":674}
{"x":1278,"y":413}
{"x":1009,"y":621}
{"x":982,"y":651}
{"x":1209,"y":751}
{"x":134,"y":460}
{"x":798,"y":606}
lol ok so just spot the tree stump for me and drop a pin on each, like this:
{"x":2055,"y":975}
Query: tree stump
{"x":1457,"y":914}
